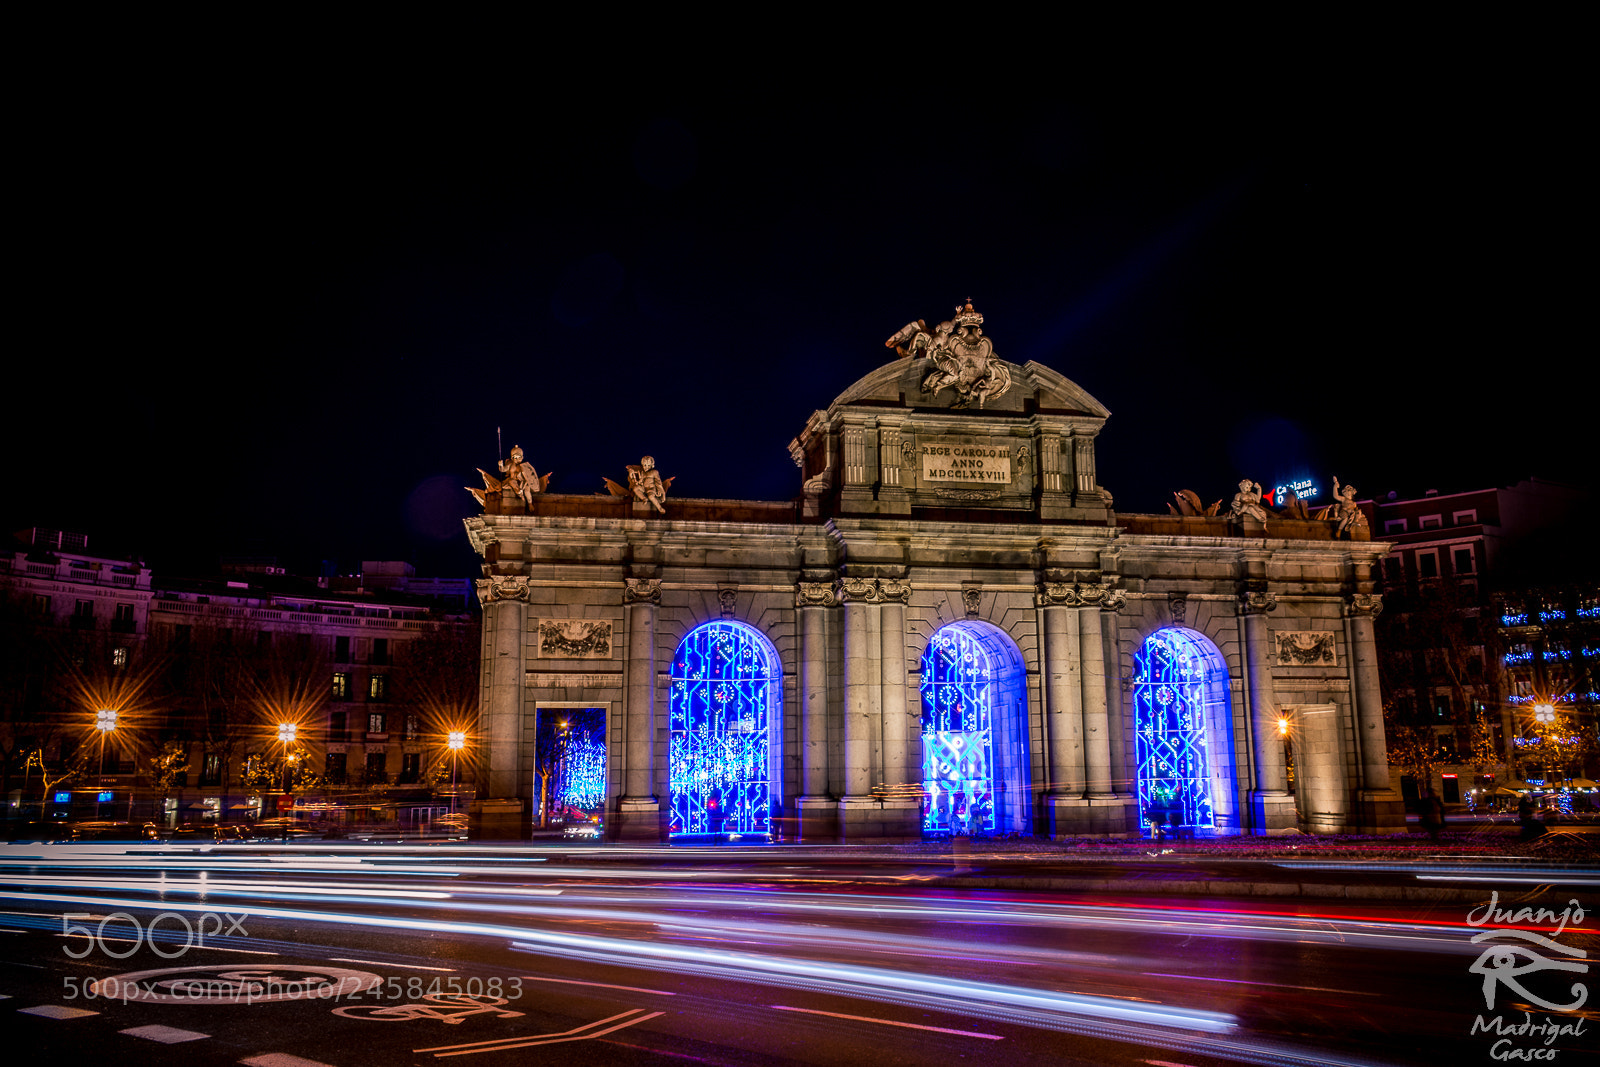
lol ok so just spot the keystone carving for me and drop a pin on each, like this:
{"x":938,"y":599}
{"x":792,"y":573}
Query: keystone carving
{"x":641,"y":590}
{"x":1178,"y":605}
{"x":502,"y":587}
{"x":727,"y":598}
{"x":1369,"y":605}
{"x":971,"y":597}
{"x":1256,"y":603}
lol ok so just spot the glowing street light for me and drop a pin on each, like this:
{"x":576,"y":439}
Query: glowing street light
{"x":1544,"y":713}
{"x":105,"y":722}
{"x":457,"y":742}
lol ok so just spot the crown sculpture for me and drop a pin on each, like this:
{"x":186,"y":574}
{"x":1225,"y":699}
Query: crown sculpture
{"x":963,"y":358}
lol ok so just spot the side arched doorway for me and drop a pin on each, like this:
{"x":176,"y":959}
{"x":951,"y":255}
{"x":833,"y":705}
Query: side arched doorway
{"x":974,"y":732}
{"x":726,"y":713}
{"x":1181,"y":733}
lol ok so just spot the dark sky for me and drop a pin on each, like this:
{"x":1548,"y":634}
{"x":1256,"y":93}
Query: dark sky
{"x":285,"y":314}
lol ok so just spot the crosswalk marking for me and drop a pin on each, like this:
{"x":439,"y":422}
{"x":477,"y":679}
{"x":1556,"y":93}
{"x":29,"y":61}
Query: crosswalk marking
{"x":280,"y":1059}
{"x":167,"y":1035}
{"x":57,"y":1011}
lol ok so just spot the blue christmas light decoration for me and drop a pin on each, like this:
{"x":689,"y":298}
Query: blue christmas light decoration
{"x":726,"y":692}
{"x":582,"y":779}
{"x":1169,"y":691}
{"x":957,"y":734}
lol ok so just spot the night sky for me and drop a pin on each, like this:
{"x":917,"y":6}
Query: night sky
{"x":257,"y":319}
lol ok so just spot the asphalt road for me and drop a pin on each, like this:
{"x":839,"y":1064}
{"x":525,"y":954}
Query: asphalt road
{"x":350,"y":956}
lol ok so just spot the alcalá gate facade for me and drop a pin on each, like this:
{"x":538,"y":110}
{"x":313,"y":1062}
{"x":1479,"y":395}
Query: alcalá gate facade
{"x":949,"y":631}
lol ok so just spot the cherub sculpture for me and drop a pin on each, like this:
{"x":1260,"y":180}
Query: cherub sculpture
{"x":645,"y":484}
{"x":520,"y":478}
{"x":1247,"y":502}
{"x":1344,"y":509}
{"x":1189,"y":504}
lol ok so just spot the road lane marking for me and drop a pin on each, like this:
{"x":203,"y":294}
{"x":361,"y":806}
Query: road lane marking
{"x":1269,"y":985}
{"x":889,"y":1022}
{"x":281,"y":1059}
{"x":600,"y":985}
{"x":399,"y":966}
{"x":167,"y":1035}
{"x":57,"y":1011}
{"x":576,"y":1034}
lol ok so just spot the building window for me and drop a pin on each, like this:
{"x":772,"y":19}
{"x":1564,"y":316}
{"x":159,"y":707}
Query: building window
{"x":378,"y":687}
{"x":1463,"y":561}
{"x":122,"y":619}
{"x":341,"y":685}
{"x":336,"y":727}
{"x":411,"y":767}
{"x":1428,"y":564}
{"x":1464,"y":518}
{"x":83,"y":615}
{"x":380,"y":650}
{"x":119,"y":657}
{"x":41,"y":604}
{"x":1430,"y":522}
{"x":1394,"y":526}
{"x":377,"y":774}
{"x":413,"y":728}
{"x":341,"y":650}
{"x":377,"y":722}
{"x":335,"y":771}
{"x":211,"y":770}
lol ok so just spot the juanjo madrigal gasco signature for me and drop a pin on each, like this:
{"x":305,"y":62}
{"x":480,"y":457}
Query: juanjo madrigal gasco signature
{"x":1508,"y":959}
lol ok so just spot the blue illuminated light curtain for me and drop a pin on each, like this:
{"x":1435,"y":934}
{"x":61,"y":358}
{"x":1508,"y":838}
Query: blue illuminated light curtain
{"x":582,"y":779}
{"x":1171,"y":674}
{"x":725,"y":701}
{"x":958,"y":677}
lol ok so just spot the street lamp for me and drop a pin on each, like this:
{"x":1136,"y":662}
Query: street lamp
{"x":105,"y":721}
{"x":286,"y":731}
{"x":1544,"y":713}
{"x":458,"y":741}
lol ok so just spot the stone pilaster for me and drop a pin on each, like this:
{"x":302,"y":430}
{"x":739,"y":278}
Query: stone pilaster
{"x":1096,"y":722}
{"x":640,"y":814}
{"x":860,"y":683}
{"x":818,"y":818}
{"x":505,"y":617}
{"x":892,"y":630}
{"x":1379,"y":808}
{"x":1271,"y":806}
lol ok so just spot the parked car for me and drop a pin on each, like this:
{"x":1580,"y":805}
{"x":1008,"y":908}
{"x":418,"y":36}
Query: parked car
{"x":281,"y":828}
{"x":113,"y":831}
{"x":36,"y":832}
{"x":207,"y":833}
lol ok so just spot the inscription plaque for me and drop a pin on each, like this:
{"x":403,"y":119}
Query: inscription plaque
{"x":963,"y":461}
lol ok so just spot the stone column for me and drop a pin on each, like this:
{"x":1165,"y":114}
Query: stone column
{"x":505,"y":612}
{"x":1271,"y":807}
{"x":818,"y":819}
{"x":1063,"y":698}
{"x":1096,"y":728}
{"x":1380,"y":809}
{"x":860,"y":684}
{"x":640,"y":806}
{"x":892,"y":633}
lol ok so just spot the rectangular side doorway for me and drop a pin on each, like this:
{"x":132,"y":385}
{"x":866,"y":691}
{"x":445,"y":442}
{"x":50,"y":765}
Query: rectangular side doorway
{"x":570,"y":781}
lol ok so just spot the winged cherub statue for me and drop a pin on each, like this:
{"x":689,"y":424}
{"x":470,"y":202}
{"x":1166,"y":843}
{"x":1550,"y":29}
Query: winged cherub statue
{"x":520,"y":478}
{"x":645,"y":484}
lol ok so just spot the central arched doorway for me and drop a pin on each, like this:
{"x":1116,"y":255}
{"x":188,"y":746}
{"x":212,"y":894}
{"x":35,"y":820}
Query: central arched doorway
{"x":726,"y":712}
{"x":974,"y":732}
{"x":1180,"y":713}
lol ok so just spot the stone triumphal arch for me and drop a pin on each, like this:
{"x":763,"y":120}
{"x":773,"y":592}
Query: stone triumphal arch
{"x":948,"y":630}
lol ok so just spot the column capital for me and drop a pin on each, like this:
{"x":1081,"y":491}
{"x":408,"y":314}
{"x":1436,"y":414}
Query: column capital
{"x":1256,"y":602}
{"x":873,"y":590}
{"x":502,"y":587}
{"x":1367,"y":605}
{"x":1058,"y":595}
{"x":815,"y":595}
{"x":641,"y":590}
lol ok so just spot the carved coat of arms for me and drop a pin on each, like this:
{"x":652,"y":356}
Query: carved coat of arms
{"x":963,"y":358}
